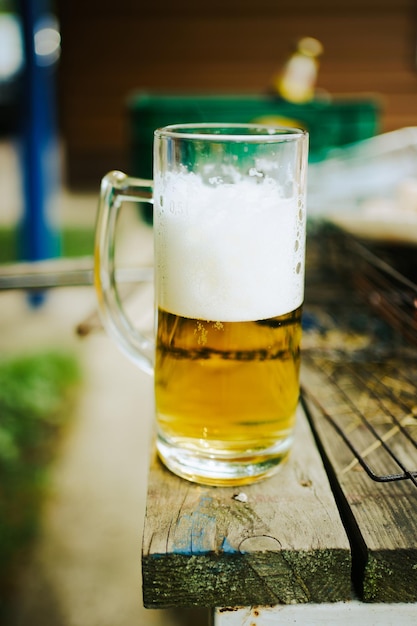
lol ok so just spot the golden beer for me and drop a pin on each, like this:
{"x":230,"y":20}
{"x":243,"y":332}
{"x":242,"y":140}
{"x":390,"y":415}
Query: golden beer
{"x":228,"y":390}
{"x":229,"y":229}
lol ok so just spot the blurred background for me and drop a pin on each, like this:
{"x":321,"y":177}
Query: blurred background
{"x":82,"y":86}
{"x":237,"y":46}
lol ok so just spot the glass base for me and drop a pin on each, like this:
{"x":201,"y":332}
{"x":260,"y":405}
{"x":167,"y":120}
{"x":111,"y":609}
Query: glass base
{"x":223,"y":470}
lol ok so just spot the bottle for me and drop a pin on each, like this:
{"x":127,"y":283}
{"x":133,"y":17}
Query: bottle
{"x":296,"y":82}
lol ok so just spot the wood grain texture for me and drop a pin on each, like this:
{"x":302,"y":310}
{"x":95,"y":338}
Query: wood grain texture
{"x":285,"y":544}
{"x":357,"y":370}
{"x":381,"y":517}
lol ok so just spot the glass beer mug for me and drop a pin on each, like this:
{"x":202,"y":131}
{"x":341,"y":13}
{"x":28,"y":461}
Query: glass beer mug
{"x":229,"y":225}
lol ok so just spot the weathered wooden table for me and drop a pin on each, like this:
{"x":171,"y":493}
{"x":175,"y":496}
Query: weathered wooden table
{"x":333,"y":536}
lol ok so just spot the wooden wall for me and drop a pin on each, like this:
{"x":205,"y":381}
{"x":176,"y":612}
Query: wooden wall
{"x":111,"y":49}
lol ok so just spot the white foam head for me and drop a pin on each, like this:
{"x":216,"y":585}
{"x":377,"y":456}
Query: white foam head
{"x":228,"y":252}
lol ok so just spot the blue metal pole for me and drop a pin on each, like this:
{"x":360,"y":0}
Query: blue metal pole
{"x":39,"y":230}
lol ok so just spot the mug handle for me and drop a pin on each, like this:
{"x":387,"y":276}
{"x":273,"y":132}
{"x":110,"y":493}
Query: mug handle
{"x":117,"y":187}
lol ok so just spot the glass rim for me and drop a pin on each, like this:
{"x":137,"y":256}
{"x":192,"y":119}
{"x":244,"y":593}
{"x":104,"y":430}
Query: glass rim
{"x":219,"y":131}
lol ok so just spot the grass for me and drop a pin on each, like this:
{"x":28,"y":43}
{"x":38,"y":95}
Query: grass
{"x":36,"y":394}
{"x":74,"y":242}
{"x":35,"y":400}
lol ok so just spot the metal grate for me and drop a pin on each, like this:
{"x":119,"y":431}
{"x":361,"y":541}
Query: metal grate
{"x":384,"y":276}
{"x":361,"y":360}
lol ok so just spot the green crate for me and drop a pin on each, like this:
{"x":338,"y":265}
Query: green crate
{"x":331,"y":122}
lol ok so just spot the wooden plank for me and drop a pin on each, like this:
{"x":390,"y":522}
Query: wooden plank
{"x":282,"y":543}
{"x":355,"y":367}
{"x":381,"y":517}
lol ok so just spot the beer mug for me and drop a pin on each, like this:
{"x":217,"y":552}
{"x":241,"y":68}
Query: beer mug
{"x":229,"y":225}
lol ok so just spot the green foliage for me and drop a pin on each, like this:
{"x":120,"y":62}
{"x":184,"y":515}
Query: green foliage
{"x":35,"y":394}
{"x":75,"y":241}
{"x":8,"y":245}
